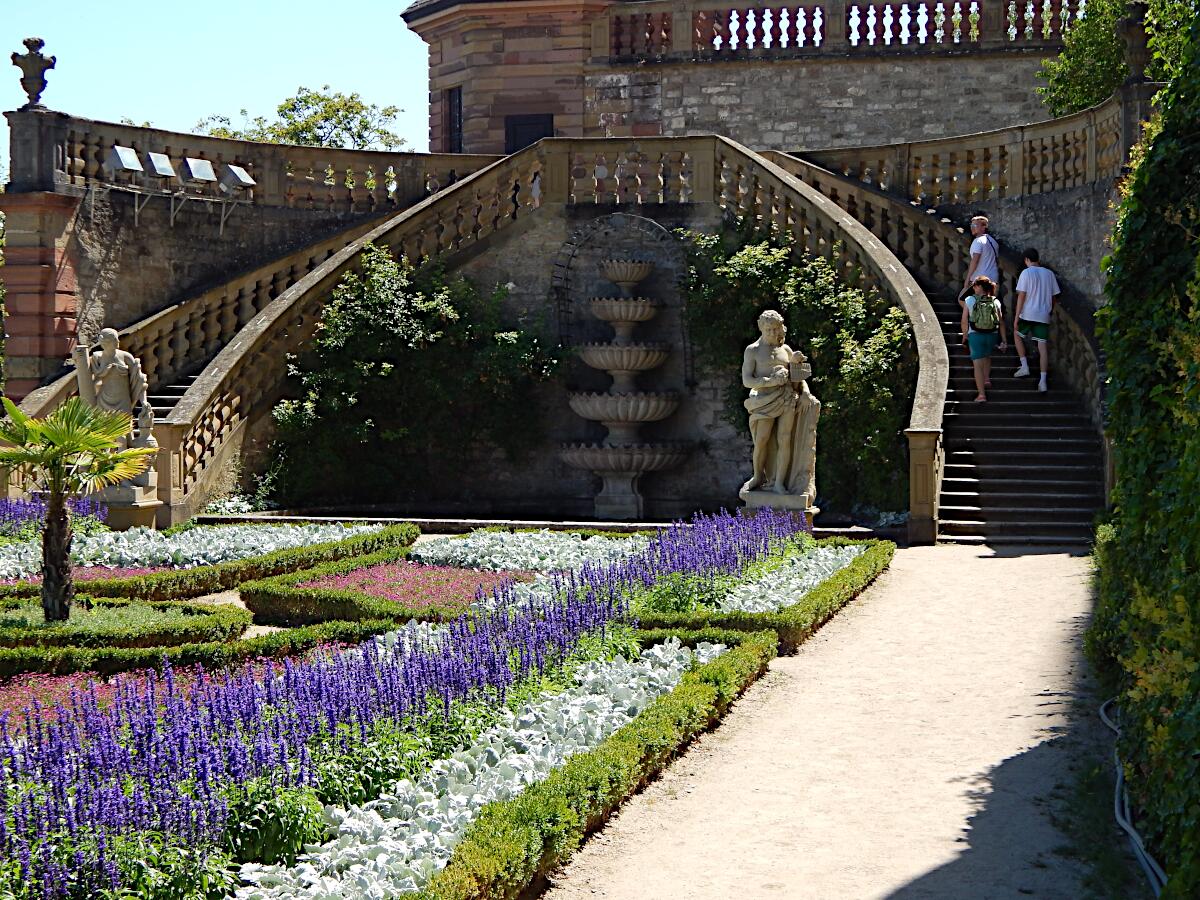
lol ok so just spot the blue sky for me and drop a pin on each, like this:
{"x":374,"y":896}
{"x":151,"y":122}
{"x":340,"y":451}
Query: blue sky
{"x":172,"y":64}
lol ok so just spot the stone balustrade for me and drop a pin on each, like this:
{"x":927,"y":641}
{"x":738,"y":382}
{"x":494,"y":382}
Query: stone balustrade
{"x":1085,"y":148}
{"x":55,"y":152}
{"x":273,"y":311}
{"x":766,"y":29}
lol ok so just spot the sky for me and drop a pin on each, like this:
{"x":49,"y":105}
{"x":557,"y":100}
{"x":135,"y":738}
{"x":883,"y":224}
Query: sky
{"x":172,"y":64}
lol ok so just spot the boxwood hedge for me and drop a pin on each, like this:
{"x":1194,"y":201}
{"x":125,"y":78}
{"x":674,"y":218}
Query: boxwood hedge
{"x":198,"y":623}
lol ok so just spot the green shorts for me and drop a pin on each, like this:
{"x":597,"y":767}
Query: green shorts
{"x":1035,"y":331}
{"x":982,"y":344}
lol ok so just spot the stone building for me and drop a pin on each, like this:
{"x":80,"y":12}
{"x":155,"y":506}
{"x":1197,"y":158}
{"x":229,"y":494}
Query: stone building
{"x":770,"y":75}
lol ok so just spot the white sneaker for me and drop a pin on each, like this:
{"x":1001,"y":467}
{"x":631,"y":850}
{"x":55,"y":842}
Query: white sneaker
{"x":1042,"y":388}
{"x":1022,"y":372}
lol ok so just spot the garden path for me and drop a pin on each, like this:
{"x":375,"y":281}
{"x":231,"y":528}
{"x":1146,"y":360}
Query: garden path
{"x":918,"y":746}
{"x":234,"y":598}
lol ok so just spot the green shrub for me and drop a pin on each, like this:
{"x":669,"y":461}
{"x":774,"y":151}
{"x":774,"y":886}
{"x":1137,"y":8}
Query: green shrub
{"x":1148,"y":617}
{"x":861,"y":349}
{"x":1092,"y":66}
{"x":514,"y":842}
{"x":211,"y":654}
{"x":270,"y":824}
{"x":793,"y":624}
{"x":278,"y":601}
{"x":119,"y":623}
{"x":408,"y":364}
{"x":182,"y":584}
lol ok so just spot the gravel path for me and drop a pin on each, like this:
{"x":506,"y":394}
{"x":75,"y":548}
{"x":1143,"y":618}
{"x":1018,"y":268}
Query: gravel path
{"x":912,"y":749}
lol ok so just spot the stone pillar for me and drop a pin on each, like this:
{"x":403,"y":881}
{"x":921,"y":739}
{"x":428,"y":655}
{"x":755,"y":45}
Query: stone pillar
{"x":34,"y":163}
{"x":924,"y":471}
{"x":835,"y":28}
{"x":39,"y":278}
{"x":993,"y":24}
{"x":1136,"y":92}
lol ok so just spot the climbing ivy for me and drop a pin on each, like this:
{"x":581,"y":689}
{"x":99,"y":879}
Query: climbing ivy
{"x":1147,"y":625}
{"x":860,"y":347}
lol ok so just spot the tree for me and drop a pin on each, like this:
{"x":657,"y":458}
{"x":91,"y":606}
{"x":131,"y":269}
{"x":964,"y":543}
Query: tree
{"x":316,"y":119}
{"x":1092,"y":64}
{"x":75,"y":450}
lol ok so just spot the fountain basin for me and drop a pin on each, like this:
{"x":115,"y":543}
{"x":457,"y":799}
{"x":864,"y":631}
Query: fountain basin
{"x":625,"y":357}
{"x":626,"y":273}
{"x":624,"y":309}
{"x":640,"y":407}
{"x":629,"y":458}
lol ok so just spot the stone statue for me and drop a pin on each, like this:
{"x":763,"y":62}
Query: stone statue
{"x":33,"y":68}
{"x":111,"y":378}
{"x":783,"y":418}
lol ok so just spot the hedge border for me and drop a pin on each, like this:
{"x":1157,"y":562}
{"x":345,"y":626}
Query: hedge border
{"x":793,"y":624}
{"x":514,"y":843}
{"x":182,"y":584}
{"x":210,"y":654}
{"x":278,"y":600}
{"x":200,"y":623}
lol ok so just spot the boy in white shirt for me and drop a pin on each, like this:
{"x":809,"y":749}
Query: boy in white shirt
{"x":1037,"y":292}
{"x":985,"y":255}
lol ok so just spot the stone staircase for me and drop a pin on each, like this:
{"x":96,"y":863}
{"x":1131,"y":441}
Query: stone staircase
{"x":1025,"y":467}
{"x":164,"y":398}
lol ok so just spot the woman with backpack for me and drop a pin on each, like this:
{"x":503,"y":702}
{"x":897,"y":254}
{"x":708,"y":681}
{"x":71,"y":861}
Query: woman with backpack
{"x":983,"y":328}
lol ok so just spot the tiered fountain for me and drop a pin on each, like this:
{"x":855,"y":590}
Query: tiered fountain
{"x":621,"y":459}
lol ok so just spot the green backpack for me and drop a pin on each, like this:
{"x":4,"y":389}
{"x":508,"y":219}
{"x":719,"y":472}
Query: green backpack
{"x":985,"y":315}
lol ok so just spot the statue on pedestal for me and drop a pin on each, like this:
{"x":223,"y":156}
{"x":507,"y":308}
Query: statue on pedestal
{"x":783,"y":420}
{"x":112,"y":379}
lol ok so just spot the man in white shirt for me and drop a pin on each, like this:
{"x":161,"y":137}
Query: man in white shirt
{"x":1037,"y":292}
{"x":985,"y":254}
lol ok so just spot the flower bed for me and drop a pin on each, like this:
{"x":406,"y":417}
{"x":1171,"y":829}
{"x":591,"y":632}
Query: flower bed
{"x":120,"y":623}
{"x":180,"y":584}
{"x":378,"y":586}
{"x":536,"y":551}
{"x":396,"y":843}
{"x":203,"y":546}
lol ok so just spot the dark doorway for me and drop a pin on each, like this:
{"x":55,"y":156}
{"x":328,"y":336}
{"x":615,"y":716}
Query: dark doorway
{"x":521,"y":131}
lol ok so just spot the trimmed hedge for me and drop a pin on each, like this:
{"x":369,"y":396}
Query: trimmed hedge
{"x":515,"y":843}
{"x":277,"y":601}
{"x":182,"y":584}
{"x":211,"y":655}
{"x":793,"y":623}
{"x":199,"y":624}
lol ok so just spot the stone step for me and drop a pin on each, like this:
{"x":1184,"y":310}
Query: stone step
{"x":1020,"y":515}
{"x":1027,"y":433}
{"x":1019,"y":474}
{"x":993,"y":487}
{"x":1004,"y":538}
{"x":1042,"y":532}
{"x":1026,"y":459}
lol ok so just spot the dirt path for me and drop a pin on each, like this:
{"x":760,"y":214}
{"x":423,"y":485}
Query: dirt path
{"x":235,"y":599}
{"x":909,"y":750}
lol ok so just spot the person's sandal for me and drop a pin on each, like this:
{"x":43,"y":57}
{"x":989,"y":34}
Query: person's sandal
{"x":982,"y":398}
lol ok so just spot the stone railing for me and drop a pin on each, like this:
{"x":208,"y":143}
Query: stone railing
{"x":55,"y":152}
{"x":935,"y":249}
{"x":661,"y":30}
{"x":1071,"y":151}
{"x":247,"y":375}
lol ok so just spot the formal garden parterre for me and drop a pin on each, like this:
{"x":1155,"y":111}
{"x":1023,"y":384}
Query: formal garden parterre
{"x":449,"y":718}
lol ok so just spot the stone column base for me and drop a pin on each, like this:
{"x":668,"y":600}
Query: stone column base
{"x":771,"y":500}
{"x":139,"y":514}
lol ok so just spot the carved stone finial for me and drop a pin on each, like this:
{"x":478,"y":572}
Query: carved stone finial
{"x":1132,"y":29}
{"x":33,"y":66}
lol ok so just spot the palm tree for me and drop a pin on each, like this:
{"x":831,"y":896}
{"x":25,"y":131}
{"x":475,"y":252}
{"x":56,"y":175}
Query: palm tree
{"x":74,"y":450}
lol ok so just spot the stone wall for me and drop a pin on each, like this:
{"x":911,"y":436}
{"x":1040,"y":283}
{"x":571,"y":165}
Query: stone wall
{"x":819,"y":102}
{"x":1070,"y":228}
{"x":127,"y":271}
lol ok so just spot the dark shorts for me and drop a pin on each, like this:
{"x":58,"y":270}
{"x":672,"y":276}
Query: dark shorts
{"x":1034,"y":331}
{"x":982,"y":344}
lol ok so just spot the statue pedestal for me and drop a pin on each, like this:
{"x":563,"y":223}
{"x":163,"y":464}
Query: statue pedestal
{"x":129,"y":505}
{"x":619,"y":498}
{"x":771,"y":500}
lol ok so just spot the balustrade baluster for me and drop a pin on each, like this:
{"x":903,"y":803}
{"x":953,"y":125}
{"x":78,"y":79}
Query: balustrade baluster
{"x":207,"y":336}
{"x":703,"y":31}
{"x":1038,"y":23}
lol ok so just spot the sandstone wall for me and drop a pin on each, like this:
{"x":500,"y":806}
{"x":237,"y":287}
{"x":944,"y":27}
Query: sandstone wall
{"x":819,"y":102}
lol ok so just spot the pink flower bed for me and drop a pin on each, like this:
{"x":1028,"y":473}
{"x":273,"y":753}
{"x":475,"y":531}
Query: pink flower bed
{"x":91,"y":573}
{"x":415,"y":586}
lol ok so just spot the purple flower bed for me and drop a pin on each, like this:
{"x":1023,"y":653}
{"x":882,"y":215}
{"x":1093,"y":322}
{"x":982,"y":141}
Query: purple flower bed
{"x":18,"y":514}
{"x":159,"y":758}
{"x":416,"y":586}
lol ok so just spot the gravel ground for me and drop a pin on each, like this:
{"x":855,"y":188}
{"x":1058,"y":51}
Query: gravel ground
{"x":916,"y":747}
